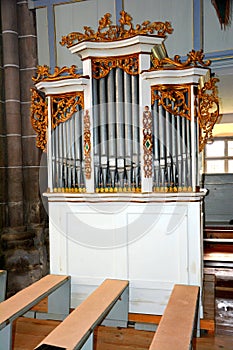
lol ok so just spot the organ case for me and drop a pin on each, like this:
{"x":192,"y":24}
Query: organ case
{"x":123,"y":142}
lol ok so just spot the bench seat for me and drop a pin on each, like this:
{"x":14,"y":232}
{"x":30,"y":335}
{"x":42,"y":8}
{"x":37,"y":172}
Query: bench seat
{"x":176,"y":328}
{"x":56,"y":287}
{"x":76,"y":331}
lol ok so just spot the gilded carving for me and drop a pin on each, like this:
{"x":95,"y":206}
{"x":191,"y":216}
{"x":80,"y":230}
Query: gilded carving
{"x":102,"y":66}
{"x":108,"y":32}
{"x":173,"y":98}
{"x":147,"y":142}
{"x":208,"y":110}
{"x":195,"y":59}
{"x":87,"y":144}
{"x":43,"y":73}
{"x":39,"y":117}
{"x":64,"y":106}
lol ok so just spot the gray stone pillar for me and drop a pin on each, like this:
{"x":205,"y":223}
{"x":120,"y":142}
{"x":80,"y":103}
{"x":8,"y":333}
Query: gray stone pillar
{"x":12,"y":110}
{"x":24,"y":236}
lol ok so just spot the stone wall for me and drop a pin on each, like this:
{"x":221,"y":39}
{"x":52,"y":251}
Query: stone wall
{"x":23,"y":219}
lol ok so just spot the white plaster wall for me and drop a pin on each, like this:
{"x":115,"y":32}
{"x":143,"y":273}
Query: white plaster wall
{"x":215,"y":39}
{"x":42,"y":36}
{"x":72,"y":18}
{"x":178,"y":13}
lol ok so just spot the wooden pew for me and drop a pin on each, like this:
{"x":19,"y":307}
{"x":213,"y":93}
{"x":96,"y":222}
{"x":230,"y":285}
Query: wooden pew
{"x":3,"y":280}
{"x":176,"y":328}
{"x":56,"y":287}
{"x":76,"y":331}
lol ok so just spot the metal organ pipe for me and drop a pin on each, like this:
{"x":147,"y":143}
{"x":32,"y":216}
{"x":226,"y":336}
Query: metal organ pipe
{"x":135,"y":132}
{"x":120,"y":126}
{"x":128,"y":129}
{"x":96,"y":131}
{"x":111,"y":127}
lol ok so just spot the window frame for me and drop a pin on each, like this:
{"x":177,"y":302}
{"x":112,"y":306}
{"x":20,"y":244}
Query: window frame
{"x":225,"y":157}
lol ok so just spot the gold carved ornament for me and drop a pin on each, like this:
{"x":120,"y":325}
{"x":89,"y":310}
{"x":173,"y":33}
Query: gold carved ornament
{"x":39,"y":117}
{"x":147,"y":142}
{"x":87,"y":144}
{"x":43,"y":73}
{"x":108,"y":32}
{"x":64,"y":106}
{"x":195,"y":59}
{"x":208,"y":111}
{"x":102,"y":66}
{"x":173,"y":98}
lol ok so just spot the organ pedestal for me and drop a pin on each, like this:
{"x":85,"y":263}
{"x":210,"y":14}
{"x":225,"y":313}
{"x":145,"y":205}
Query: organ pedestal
{"x":123,"y":142}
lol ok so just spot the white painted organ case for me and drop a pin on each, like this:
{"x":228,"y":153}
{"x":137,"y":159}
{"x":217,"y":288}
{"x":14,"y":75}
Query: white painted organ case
{"x":123,"y":142}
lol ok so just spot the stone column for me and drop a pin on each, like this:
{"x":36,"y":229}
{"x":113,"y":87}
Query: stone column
{"x":12,"y":110}
{"x":23,"y":237}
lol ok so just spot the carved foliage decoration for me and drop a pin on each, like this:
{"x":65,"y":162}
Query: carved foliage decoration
{"x":208,"y":110}
{"x":147,"y":142}
{"x":173,"y":98}
{"x":43,"y":73}
{"x":87,"y":144}
{"x":64,"y":106}
{"x":39,"y":117}
{"x":108,"y":32}
{"x":195,"y":59}
{"x":102,"y":66}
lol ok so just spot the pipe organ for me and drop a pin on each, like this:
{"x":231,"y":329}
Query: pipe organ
{"x":123,"y":142}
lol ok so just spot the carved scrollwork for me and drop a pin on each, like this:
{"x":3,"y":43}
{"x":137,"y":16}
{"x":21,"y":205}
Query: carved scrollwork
{"x":208,"y":110}
{"x":43,"y":73}
{"x":87,"y":144}
{"x":195,"y":59}
{"x":108,"y":32}
{"x":147,"y":142}
{"x":102,"y":66}
{"x":39,"y":117}
{"x":173,"y":99}
{"x":64,"y":106}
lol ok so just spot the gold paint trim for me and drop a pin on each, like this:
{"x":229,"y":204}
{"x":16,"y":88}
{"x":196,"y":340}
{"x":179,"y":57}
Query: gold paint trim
{"x":107,"y":32}
{"x":173,"y":99}
{"x":208,"y":110}
{"x":39,"y":117}
{"x":102,"y":66}
{"x":87,"y":144}
{"x":43,"y":73}
{"x":64,"y":106}
{"x":147,"y":142}
{"x":195,"y":59}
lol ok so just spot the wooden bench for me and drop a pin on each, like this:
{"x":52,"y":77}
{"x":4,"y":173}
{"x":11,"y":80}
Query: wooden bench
{"x":176,"y":328}
{"x":55,"y":287}
{"x":3,"y":279}
{"x":76,"y":331}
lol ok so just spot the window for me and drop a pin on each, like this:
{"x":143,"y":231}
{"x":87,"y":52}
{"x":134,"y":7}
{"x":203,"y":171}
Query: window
{"x":219,"y":156}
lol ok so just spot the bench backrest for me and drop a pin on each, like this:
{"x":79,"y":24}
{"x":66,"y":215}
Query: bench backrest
{"x":22,"y":301}
{"x":77,"y":327}
{"x":175,"y":330}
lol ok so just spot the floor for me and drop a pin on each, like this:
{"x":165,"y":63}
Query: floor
{"x":28,"y":333}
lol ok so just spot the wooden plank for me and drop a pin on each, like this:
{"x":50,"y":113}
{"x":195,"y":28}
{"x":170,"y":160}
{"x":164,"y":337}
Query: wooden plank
{"x":42,"y":306}
{"x":80,"y":323}
{"x":205,"y":324}
{"x":176,"y":327}
{"x":29,"y":296}
{"x":144,"y":318}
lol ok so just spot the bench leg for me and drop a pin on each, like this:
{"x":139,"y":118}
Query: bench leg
{"x":88,"y":345}
{"x":118,"y":316}
{"x":3,"y":278}
{"x":58,"y":303}
{"x":6,"y":337}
